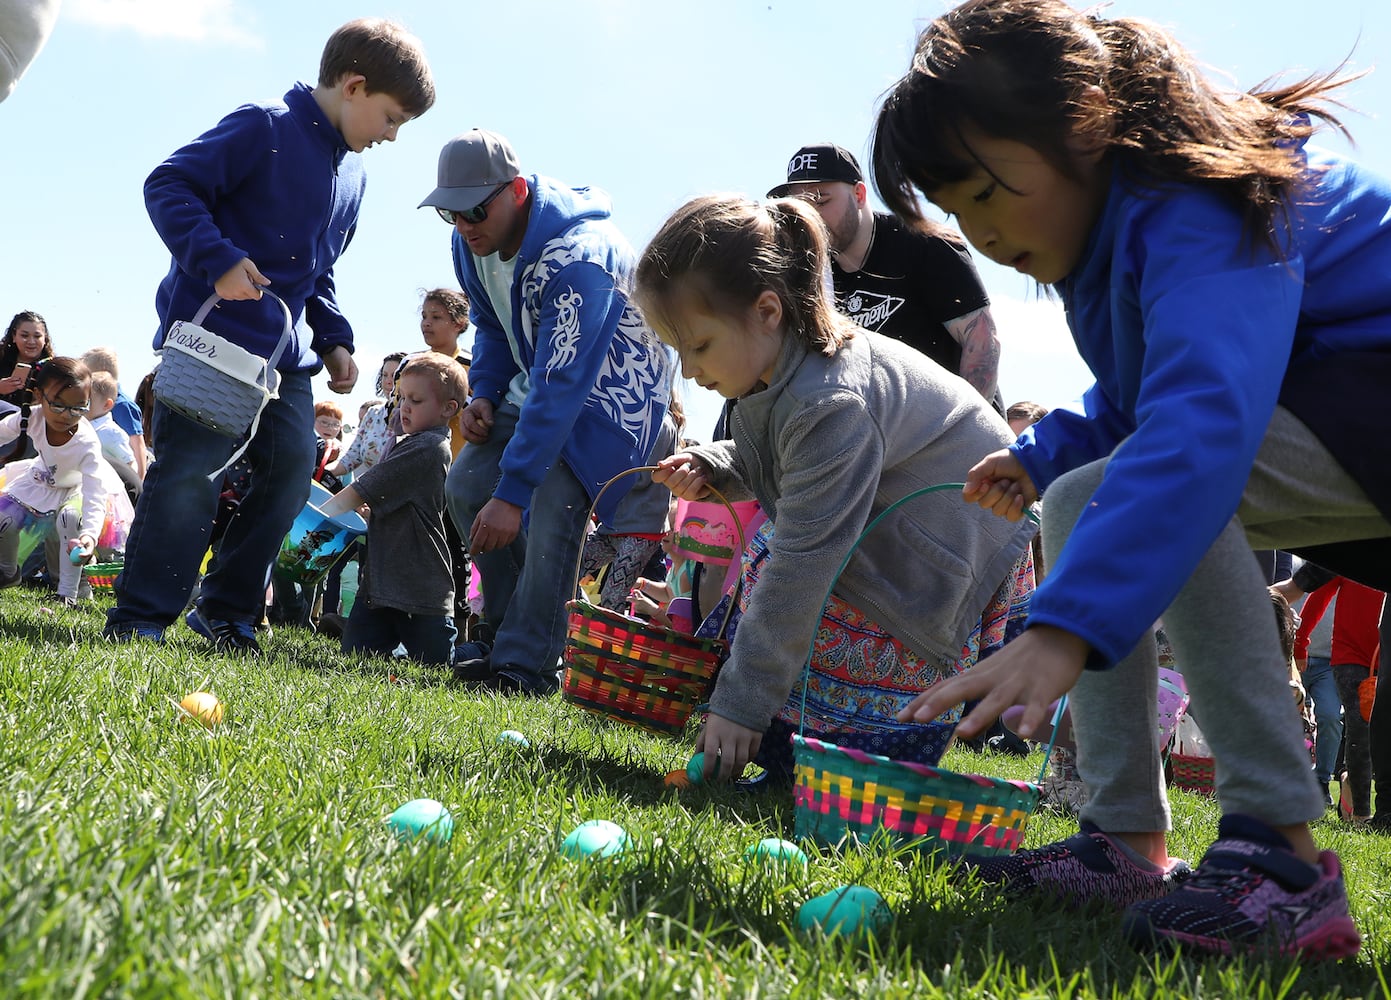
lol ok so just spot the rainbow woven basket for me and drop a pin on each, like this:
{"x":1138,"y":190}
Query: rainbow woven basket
{"x":1194,"y":774}
{"x":635,"y":672}
{"x":102,"y":576}
{"x":844,"y":795}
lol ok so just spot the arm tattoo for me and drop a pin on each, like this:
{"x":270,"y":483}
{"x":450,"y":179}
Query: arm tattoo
{"x":980,"y":349}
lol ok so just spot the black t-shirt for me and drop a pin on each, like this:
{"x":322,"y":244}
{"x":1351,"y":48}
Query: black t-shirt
{"x":909,"y":286}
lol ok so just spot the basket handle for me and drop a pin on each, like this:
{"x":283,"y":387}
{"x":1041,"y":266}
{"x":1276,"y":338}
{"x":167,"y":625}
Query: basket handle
{"x":811,"y":648}
{"x":733,"y":516}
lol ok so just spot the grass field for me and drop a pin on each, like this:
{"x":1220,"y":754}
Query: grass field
{"x":143,"y":856}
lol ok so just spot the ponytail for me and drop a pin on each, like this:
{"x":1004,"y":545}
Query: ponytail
{"x":727,"y":250}
{"x":21,"y":442}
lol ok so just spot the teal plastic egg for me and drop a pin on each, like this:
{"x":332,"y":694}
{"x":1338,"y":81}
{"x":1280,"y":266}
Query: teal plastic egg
{"x":695,"y":768}
{"x":595,"y":838}
{"x":845,"y":910}
{"x":422,"y":817}
{"x":513,"y":737}
{"x":775,"y":852}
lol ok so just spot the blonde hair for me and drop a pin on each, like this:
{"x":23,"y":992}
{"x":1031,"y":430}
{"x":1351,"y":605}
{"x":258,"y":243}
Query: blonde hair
{"x":440,"y":370}
{"x":103,"y":384}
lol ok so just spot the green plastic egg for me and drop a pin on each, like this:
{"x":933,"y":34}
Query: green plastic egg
{"x":422,"y":817}
{"x":776,"y":853}
{"x":695,"y":768}
{"x":595,"y":838}
{"x":844,"y":911}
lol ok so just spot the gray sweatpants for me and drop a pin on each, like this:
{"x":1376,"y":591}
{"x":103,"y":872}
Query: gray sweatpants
{"x":1222,"y":627}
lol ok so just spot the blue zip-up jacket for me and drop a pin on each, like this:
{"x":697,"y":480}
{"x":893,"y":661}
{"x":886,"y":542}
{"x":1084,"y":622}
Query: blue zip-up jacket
{"x":600,"y":378}
{"x":1189,"y":329}
{"x":274,"y":182}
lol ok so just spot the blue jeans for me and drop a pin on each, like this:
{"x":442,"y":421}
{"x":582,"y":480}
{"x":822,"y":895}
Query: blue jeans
{"x":1321,"y":688}
{"x":427,"y":638}
{"x":523,"y":598}
{"x":174,"y":518}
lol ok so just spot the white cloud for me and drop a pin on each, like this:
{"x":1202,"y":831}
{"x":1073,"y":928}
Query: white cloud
{"x":186,"y":20}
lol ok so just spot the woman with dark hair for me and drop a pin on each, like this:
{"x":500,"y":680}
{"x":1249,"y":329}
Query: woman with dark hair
{"x":25,"y":342}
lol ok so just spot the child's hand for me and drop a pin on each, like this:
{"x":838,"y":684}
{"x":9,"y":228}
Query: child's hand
{"x":86,"y":544}
{"x":649,"y":599}
{"x":476,"y":420}
{"x":242,"y":281}
{"x":999,"y":483}
{"x":1034,"y":671}
{"x":728,"y":747}
{"x":342,"y":369}
{"x":684,"y":475}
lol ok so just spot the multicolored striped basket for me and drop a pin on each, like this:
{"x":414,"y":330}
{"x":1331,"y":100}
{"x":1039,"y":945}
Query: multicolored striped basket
{"x":1194,"y":774}
{"x":846,"y":796}
{"x":843,"y":795}
{"x":102,"y":576}
{"x":632,"y":671}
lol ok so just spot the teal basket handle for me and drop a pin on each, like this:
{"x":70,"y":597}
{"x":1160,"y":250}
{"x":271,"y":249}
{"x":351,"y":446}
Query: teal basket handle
{"x":811,"y":648}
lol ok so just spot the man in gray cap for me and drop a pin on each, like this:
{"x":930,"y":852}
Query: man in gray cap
{"x":569,"y":389}
{"x":917,"y":287}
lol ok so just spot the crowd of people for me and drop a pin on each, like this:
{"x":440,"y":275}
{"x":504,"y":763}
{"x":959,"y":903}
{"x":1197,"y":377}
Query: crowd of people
{"x":1220,"y":277}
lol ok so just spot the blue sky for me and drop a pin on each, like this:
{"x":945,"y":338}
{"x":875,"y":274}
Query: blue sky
{"x":653,"y":101}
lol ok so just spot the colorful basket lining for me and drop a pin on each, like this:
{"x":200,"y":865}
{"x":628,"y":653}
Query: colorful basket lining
{"x":849,"y":795}
{"x":102,"y":576}
{"x":634,"y":672}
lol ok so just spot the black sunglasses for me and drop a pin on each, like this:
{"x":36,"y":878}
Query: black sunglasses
{"x":473,"y":215}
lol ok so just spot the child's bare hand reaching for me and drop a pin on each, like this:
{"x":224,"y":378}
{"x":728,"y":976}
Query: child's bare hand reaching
{"x":999,"y":483}
{"x":728,"y":747}
{"x":684,"y":475}
{"x":1034,"y":671}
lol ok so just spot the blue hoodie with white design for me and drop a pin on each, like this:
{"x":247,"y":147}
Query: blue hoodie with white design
{"x":600,"y":379}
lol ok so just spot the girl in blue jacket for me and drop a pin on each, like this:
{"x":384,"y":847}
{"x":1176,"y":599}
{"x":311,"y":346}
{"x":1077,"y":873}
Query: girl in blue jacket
{"x":1226,"y":286}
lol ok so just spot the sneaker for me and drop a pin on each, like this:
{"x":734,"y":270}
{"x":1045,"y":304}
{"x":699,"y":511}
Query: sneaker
{"x":475,"y":650}
{"x":227,"y":636}
{"x":132,"y":631}
{"x":1249,"y":891}
{"x":9,"y":579}
{"x":1087,"y":867}
{"x":473,"y":671}
{"x":1380,"y":822}
{"x":503,"y":682}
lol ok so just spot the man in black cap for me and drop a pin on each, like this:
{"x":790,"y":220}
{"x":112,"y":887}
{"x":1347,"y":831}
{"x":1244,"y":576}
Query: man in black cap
{"x":919,"y":287}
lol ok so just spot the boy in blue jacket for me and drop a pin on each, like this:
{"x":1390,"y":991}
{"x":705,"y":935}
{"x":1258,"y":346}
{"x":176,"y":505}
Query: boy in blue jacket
{"x":268,"y":197}
{"x":569,"y":389}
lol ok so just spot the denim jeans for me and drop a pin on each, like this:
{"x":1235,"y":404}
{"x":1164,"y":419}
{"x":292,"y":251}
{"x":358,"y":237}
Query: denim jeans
{"x":1321,"y":688}
{"x":174,"y":518}
{"x":427,"y":638}
{"x":526,"y":584}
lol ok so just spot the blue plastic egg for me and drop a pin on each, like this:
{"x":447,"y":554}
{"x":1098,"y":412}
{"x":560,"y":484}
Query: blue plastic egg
{"x":595,"y":838}
{"x":775,"y":852}
{"x":513,"y":737}
{"x":422,"y":817}
{"x":844,"y":911}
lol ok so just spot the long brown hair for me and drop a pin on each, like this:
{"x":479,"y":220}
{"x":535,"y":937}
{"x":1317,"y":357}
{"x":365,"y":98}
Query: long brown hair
{"x":1022,"y":70}
{"x":728,"y":250}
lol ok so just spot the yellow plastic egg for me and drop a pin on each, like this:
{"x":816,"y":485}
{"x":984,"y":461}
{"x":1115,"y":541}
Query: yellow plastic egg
{"x":202,"y":707}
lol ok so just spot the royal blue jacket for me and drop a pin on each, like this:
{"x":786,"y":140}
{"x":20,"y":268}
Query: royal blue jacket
{"x":274,"y":182}
{"x":600,"y":379}
{"x":1189,"y":329}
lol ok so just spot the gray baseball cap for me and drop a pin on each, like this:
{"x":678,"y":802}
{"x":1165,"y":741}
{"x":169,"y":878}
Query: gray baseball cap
{"x":471,"y":166}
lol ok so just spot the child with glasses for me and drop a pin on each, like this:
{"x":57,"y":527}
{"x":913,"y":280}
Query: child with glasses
{"x":66,"y":487}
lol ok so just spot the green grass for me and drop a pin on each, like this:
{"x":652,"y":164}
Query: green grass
{"x":143,"y":856}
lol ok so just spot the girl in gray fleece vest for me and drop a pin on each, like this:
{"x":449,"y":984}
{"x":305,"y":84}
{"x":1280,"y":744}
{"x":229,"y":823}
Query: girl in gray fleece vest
{"x":833,"y":424}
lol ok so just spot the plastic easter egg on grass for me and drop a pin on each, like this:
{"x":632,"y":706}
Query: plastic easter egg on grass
{"x":695,"y":768}
{"x":677,"y":779}
{"x":844,"y":911}
{"x":595,"y":838}
{"x":776,"y":853}
{"x":513,"y":738}
{"x":422,"y":817}
{"x":201,"y":706}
